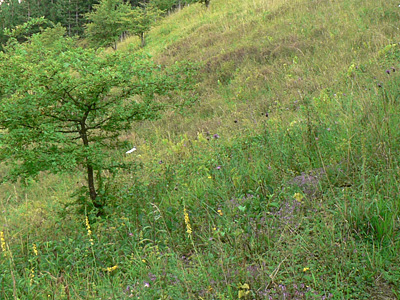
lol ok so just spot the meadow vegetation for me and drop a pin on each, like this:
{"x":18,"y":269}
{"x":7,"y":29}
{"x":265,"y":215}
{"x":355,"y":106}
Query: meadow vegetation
{"x":280,"y":182}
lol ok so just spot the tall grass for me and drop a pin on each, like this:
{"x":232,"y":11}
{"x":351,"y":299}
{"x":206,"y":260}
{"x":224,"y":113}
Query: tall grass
{"x":286,"y":170}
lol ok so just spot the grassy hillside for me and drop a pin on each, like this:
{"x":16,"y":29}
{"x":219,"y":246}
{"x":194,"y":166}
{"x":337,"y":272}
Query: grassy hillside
{"x":281,"y":182}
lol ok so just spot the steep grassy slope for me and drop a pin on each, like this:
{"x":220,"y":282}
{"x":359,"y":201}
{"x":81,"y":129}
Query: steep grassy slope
{"x":258,"y":52}
{"x":282,"y":182}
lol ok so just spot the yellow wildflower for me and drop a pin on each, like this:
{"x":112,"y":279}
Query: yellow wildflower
{"x":299,"y":197}
{"x":3,"y":243}
{"x":110,"y":269}
{"x":306,"y":269}
{"x":243,"y":290}
{"x":187,"y":222}
{"x":219,"y":212}
{"x":89,"y":231}
{"x":245,"y":286}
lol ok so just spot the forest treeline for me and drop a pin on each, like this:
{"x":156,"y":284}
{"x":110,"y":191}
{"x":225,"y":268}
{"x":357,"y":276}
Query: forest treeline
{"x":72,"y":14}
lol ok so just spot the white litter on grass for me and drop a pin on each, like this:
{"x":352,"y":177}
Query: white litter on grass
{"x":130,"y":151}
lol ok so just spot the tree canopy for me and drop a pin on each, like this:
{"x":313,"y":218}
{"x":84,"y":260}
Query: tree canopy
{"x":63,"y":107}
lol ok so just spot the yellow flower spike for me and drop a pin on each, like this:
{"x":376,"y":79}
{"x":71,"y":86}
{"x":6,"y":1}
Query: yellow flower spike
{"x":187,"y":222}
{"x":32,"y":276}
{"x":89,"y":231}
{"x":3,"y":243}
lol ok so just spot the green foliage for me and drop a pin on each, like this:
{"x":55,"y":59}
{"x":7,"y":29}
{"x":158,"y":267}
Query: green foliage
{"x":22,"y":32}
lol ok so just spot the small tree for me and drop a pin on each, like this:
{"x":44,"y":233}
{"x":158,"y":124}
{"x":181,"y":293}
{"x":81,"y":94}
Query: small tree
{"x":108,"y":21}
{"x":141,"y":19}
{"x":62,"y":107}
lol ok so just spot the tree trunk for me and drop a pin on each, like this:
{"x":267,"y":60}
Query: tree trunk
{"x":90,"y":178}
{"x":89,"y":168}
{"x":76,"y":16}
{"x":142,"y":39}
{"x":69,"y":18}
